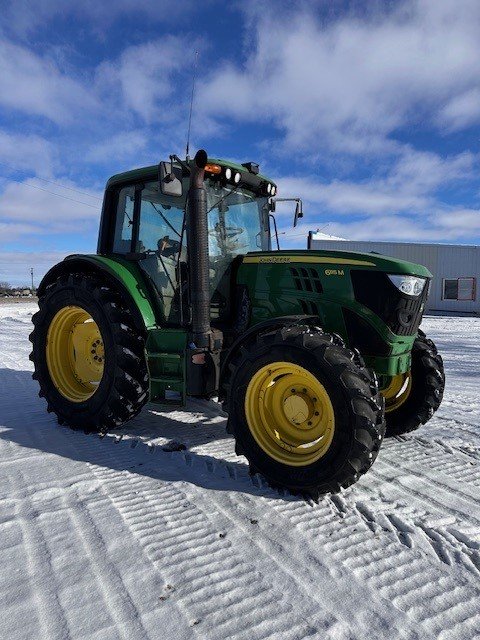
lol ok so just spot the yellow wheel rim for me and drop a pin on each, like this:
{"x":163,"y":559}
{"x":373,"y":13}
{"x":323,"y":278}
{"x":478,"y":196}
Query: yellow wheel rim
{"x":397,"y":391}
{"x":75,"y":353}
{"x":289,"y":413}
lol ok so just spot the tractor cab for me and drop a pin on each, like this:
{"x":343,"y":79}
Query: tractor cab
{"x":144,"y":220}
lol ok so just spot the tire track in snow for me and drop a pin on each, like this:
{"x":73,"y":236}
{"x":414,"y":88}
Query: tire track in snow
{"x":178,"y":538}
{"x":42,"y":577}
{"x":213,"y":581}
{"x":374,"y":556}
{"x":51,"y":506}
{"x":422,"y":454}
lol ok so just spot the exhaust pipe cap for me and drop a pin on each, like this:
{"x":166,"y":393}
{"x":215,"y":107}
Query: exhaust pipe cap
{"x":201,"y":158}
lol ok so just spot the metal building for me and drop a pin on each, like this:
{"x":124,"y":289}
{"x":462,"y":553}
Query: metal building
{"x":455,"y":267}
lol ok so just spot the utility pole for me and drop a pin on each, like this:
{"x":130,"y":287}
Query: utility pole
{"x":31,"y":273}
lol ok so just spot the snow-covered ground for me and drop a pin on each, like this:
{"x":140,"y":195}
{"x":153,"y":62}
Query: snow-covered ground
{"x":116,"y":538}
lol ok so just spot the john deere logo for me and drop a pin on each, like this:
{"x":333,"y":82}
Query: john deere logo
{"x":334,"y":272}
{"x":275,"y":260}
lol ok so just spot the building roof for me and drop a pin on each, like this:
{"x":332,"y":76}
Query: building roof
{"x":323,"y":236}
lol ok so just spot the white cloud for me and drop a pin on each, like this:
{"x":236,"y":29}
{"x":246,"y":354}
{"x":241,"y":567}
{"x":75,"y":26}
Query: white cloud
{"x":349,"y":83}
{"x":11,"y":231}
{"x":36,"y":85}
{"x":33,"y":201}
{"x":467,"y":221}
{"x":461,"y":111}
{"x":431,"y":228}
{"x":25,"y":153}
{"x":409,"y":186}
{"x":121,"y":146}
{"x":147,"y":74}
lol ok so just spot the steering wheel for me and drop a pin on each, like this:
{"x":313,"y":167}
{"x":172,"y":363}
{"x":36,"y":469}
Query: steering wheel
{"x":168,"y":247}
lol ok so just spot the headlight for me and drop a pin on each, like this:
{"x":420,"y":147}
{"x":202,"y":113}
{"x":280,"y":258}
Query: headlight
{"x":228,"y":173}
{"x":236,"y":178}
{"x":410,"y":285}
{"x":269,"y":188}
{"x":273,"y":190}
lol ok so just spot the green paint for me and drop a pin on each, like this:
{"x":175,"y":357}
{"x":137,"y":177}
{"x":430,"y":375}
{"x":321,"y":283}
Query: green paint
{"x":166,"y":353}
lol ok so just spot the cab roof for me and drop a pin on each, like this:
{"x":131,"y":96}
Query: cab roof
{"x":147,"y":173}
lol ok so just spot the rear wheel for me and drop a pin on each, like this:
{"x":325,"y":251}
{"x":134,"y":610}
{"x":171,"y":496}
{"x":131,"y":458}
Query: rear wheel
{"x":89,"y":358}
{"x":304,"y":410}
{"x":412,"y":398}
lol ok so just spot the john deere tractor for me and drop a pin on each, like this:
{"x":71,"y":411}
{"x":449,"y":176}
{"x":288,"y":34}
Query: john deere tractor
{"x":315,"y":355}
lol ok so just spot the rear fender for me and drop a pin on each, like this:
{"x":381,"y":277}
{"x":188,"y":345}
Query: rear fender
{"x":122,"y":275}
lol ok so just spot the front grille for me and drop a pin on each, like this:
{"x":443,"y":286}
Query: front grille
{"x":401,"y":313}
{"x":363,"y":336}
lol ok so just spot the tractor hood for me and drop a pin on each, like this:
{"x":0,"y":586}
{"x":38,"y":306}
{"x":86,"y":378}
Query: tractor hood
{"x":339,"y":259}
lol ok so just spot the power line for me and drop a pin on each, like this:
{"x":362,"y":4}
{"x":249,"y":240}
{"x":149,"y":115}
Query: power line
{"x":59,"y":195}
{"x":58,"y":184}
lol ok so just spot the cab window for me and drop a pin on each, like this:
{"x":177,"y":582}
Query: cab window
{"x":161,"y":244}
{"x":122,"y":239}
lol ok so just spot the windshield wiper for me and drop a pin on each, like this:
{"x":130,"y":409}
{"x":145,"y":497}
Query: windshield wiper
{"x":222,"y":199}
{"x":165,"y":220}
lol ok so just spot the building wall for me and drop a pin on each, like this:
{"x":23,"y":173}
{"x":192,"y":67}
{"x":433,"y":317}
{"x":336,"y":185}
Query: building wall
{"x":443,"y":260}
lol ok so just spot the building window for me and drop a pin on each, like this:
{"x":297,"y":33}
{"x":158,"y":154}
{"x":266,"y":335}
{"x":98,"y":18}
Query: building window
{"x":459,"y":289}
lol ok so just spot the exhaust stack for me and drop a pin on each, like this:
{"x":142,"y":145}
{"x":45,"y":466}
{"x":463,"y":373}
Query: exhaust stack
{"x":197,"y":247}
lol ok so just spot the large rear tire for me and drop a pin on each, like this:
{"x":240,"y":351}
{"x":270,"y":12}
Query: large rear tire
{"x":412,"y":399}
{"x":304,"y":410}
{"x":89,"y":357}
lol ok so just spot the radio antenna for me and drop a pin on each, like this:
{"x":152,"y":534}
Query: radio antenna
{"x":191,"y":103}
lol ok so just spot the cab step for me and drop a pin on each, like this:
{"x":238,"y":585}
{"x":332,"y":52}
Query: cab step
{"x":166,"y":365}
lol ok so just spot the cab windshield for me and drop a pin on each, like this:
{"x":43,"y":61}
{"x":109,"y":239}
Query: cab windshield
{"x":236,"y":221}
{"x":237,"y":224}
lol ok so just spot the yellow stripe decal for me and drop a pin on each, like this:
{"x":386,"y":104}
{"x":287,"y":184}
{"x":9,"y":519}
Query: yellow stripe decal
{"x":307,"y":259}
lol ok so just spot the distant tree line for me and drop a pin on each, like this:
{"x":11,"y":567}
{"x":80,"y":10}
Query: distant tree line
{"x":6,"y":289}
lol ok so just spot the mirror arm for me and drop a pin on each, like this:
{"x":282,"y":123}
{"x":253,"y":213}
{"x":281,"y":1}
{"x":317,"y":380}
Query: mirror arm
{"x":276,"y":231}
{"x":182,"y":163}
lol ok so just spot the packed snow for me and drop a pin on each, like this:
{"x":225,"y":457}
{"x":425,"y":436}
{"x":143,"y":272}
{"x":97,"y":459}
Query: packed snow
{"x":107,"y":538}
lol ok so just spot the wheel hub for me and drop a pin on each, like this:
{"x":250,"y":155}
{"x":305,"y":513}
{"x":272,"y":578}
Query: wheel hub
{"x":289,"y":413}
{"x":75,"y":353}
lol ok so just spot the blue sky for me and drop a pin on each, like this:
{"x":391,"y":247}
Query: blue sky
{"x":368,"y":111}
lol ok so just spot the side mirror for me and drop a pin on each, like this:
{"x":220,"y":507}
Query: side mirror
{"x":170,"y":179}
{"x":298,"y":212}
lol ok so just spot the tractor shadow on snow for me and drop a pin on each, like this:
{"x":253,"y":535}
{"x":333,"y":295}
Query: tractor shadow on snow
{"x":25,"y":421}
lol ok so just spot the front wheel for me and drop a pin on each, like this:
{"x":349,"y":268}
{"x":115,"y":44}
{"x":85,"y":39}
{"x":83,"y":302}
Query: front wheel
{"x":304,"y":410}
{"x":412,"y":398}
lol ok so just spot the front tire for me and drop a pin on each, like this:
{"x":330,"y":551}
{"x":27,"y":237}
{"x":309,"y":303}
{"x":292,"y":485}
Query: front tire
{"x":89,"y":357}
{"x":419,"y":392}
{"x":304,"y":410}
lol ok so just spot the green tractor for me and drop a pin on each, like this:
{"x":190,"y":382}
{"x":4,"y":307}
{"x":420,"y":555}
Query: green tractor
{"x":315,"y":355}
